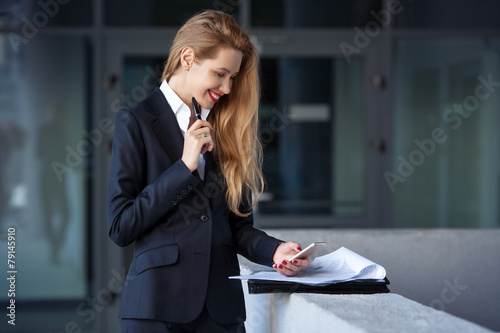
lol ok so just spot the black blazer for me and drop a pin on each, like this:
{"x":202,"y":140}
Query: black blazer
{"x":186,"y":238}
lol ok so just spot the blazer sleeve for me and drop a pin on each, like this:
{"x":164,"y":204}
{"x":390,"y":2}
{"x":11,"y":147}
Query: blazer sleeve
{"x":252,"y":243}
{"x":133,"y":205}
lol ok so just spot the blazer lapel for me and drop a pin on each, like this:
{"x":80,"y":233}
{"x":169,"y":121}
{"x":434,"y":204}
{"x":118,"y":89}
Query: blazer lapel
{"x":165,"y":126}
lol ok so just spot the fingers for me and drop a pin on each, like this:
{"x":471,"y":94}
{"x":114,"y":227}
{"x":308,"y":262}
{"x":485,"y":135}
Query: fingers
{"x":292,"y":268}
{"x":200,"y":124}
{"x":301,"y":262}
{"x":208,"y":146}
{"x":200,"y":132}
{"x":198,"y":140}
{"x":283,"y":265}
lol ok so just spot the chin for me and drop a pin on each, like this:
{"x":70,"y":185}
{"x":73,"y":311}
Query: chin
{"x":208,"y":104}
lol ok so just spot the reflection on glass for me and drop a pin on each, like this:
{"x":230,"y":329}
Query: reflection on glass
{"x":446,"y":160}
{"x":52,"y":138}
{"x":12,"y":191}
{"x":312,"y":130}
{"x":43,"y":159}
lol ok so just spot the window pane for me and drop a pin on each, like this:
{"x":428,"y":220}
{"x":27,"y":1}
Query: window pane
{"x":31,"y":16}
{"x":43,"y":166}
{"x":160,"y":12}
{"x":446,"y":161}
{"x":141,"y":74}
{"x":312,"y":128}
{"x":449,"y":14}
{"x":314,"y":13}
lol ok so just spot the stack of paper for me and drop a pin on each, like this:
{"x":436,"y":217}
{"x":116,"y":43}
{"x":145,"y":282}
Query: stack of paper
{"x":338,"y":266}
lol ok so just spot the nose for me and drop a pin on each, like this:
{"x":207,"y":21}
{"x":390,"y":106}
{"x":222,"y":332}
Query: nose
{"x":226,"y":85}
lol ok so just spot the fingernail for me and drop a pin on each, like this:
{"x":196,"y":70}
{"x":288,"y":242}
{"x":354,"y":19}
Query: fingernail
{"x":280,"y":267}
{"x":294,"y":262}
{"x":299,"y":249}
{"x":284,"y":262}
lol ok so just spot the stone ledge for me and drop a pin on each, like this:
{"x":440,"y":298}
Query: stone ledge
{"x":382,"y":313}
{"x":345,"y":313}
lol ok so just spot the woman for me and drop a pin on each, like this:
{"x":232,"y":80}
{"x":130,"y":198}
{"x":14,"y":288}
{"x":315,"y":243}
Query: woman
{"x":181,"y":188}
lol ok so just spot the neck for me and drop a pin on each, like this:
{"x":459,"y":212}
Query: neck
{"x":177,"y":83}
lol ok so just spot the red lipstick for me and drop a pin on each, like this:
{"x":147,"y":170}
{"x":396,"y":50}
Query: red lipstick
{"x":214,"y":96}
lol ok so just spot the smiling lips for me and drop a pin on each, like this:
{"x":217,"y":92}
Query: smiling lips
{"x":214,"y":96}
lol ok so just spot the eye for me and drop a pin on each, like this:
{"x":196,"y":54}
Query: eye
{"x":219,"y":74}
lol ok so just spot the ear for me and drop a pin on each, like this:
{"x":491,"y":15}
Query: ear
{"x":187,"y":57}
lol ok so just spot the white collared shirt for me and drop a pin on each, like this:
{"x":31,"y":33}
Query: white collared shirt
{"x":183,"y":113}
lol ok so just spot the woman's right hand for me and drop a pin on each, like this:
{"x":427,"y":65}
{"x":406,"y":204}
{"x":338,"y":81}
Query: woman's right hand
{"x":196,"y":141}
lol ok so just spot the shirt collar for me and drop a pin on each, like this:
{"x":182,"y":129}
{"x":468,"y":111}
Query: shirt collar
{"x":180,"y":109}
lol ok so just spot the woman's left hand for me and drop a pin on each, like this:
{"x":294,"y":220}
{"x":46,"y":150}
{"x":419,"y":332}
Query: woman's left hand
{"x":282,"y":265}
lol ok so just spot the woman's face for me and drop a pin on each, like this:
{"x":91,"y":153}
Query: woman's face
{"x":213,"y":78}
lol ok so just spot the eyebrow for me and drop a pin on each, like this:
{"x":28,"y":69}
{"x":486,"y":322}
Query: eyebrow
{"x":226,"y":70}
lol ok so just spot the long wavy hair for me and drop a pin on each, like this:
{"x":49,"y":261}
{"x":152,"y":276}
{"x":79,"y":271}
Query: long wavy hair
{"x":237,"y":149}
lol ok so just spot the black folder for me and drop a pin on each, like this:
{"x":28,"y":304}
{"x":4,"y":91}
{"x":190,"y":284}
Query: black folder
{"x":348,"y":287}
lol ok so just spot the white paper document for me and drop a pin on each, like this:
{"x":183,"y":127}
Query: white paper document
{"x":338,"y":266}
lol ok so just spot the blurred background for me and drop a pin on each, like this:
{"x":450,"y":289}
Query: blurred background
{"x":375,"y":114}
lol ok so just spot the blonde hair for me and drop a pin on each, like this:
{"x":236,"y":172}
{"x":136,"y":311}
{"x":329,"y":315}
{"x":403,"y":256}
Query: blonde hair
{"x":237,"y":149}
